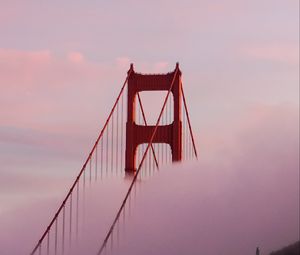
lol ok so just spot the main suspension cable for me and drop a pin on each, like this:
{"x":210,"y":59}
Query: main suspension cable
{"x":138,"y":170}
{"x":145,"y":122}
{"x":82,"y":169}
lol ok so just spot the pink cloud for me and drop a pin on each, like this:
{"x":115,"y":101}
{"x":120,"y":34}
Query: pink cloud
{"x":75,"y":57}
{"x":286,"y":53}
{"x":18,"y":55}
{"x":123,"y":62}
{"x":22,"y":67}
{"x":156,"y":67}
{"x":161,"y":67}
{"x":30,"y":79}
{"x":256,"y":125}
{"x":39,"y":89}
{"x":37,"y":68}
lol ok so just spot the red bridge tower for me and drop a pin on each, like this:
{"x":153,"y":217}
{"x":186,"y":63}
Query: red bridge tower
{"x":137,"y":134}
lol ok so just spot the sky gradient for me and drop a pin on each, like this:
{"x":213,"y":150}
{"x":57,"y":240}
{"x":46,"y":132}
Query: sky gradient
{"x":62,"y":64}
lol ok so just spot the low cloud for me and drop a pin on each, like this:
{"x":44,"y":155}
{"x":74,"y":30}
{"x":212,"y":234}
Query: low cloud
{"x":245,"y":195}
{"x":275,"y":52}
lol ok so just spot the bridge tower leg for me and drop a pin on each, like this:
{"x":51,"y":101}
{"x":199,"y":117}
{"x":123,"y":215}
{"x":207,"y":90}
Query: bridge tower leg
{"x":138,"y":134}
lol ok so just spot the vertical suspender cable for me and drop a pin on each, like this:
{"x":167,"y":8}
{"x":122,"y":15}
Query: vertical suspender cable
{"x":190,"y":148}
{"x":166,"y":146}
{"x":48,"y":242}
{"x":70,"y":222}
{"x":117,"y":140}
{"x":63,"y":232}
{"x":96,"y":162}
{"x":149,"y":156}
{"x":55,"y":240}
{"x":112,"y":143}
{"x":138,"y":170}
{"x":189,"y":122}
{"x":183,"y":135}
{"x":83,"y":199}
{"x":139,"y":123}
{"x":101,"y":158}
{"x":83,"y":167}
{"x":77,"y":209}
{"x":170,"y":109}
{"x":163,"y":145}
{"x":91,"y":169}
{"x":107,"y":148}
{"x":122,"y":113}
{"x":83,"y":183}
{"x":186,"y":134}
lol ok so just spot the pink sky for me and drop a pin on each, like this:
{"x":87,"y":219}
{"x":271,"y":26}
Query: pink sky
{"x":62,"y":65}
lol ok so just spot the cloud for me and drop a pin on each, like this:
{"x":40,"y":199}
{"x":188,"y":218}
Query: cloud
{"x":40,"y":143}
{"x":36,"y":84}
{"x":259,"y":125}
{"x":11,"y":56}
{"x":22,"y":68}
{"x":276,"y":52}
{"x":75,"y":57}
{"x":123,"y":62}
{"x":253,"y":191}
{"x":41,"y":85}
{"x":27,"y":69}
{"x":161,"y":67}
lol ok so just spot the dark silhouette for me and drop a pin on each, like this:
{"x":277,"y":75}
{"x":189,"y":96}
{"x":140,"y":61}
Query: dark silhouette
{"x":293,"y":249}
{"x":257,"y":251}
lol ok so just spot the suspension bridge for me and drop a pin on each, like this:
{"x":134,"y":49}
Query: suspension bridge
{"x":126,"y":146}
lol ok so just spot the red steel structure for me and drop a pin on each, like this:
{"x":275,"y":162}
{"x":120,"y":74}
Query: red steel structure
{"x":108,"y":148}
{"x":137,"y":134}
